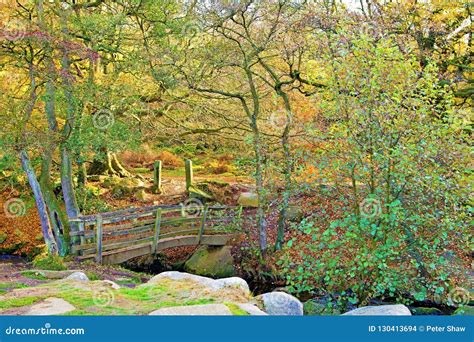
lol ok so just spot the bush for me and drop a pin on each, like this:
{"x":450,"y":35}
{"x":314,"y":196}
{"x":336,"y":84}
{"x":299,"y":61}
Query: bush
{"x":400,"y":229}
{"x":217,"y":167}
{"x":49,"y":262}
{"x":169,"y":159}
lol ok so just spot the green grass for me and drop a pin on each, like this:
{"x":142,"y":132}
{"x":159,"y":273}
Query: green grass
{"x":140,"y":300}
{"x":92,"y":276}
{"x":131,"y":280}
{"x":13,"y":285}
{"x":236,"y":310}
{"x":33,"y":275}
{"x":19,"y":301}
{"x":178,"y":172}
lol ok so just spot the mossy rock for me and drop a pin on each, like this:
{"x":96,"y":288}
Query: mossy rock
{"x":464,"y":311}
{"x":3,"y":237}
{"x":211,"y":261}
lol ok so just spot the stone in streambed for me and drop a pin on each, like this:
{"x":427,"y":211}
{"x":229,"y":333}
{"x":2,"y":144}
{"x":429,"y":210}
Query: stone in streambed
{"x":280,"y":304}
{"x":211,"y":261}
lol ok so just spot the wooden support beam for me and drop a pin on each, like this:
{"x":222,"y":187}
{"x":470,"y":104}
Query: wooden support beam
{"x":98,"y":238}
{"x":156,"y":234}
{"x":203,"y":223}
{"x":189,"y":173}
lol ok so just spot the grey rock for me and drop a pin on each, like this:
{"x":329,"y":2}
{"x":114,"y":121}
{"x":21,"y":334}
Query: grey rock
{"x":194,"y":310}
{"x":50,"y":306}
{"x":78,"y":276}
{"x":280,"y":304}
{"x":381,"y":310}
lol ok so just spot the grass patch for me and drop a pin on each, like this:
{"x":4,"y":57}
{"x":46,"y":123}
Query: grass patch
{"x":33,"y":275}
{"x":19,"y":301}
{"x":131,"y":280}
{"x":92,"y":276}
{"x":13,"y":285}
{"x":236,"y":310}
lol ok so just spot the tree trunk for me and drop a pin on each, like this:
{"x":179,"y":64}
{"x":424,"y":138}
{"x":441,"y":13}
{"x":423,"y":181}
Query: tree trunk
{"x":288,"y":168}
{"x":261,"y":222}
{"x":111,"y":166}
{"x":72,"y":209}
{"x":58,"y":221}
{"x":40,"y":203}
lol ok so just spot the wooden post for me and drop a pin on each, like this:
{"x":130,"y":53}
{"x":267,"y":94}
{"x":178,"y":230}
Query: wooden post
{"x":189,"y":173}
{"x":157,"y":176}
{"x":98,"y":238}
{"x":203,"y":223}
{"x":156,"y":235}
{"x":82,"y":238}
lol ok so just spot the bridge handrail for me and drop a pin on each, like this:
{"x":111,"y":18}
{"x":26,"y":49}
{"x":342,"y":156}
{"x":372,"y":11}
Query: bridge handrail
{"x":128,"y":213}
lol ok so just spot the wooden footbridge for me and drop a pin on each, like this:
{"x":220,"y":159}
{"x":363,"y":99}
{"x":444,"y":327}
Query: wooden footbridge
{"x":115,"y":237}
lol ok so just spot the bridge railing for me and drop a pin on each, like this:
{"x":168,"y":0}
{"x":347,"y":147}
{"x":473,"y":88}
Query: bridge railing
{"x":128,"y":229}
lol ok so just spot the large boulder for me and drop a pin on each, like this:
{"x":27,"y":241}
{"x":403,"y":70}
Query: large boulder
{"x":50,"y":306}
{"x":381,"y":310}
{"x":280,"y":304}
{"x":211,"y":261}
{"x":194,"y":310}
{"x":127,"y":186}
{"x":213,"y":284}
{"x":248,"y":199}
